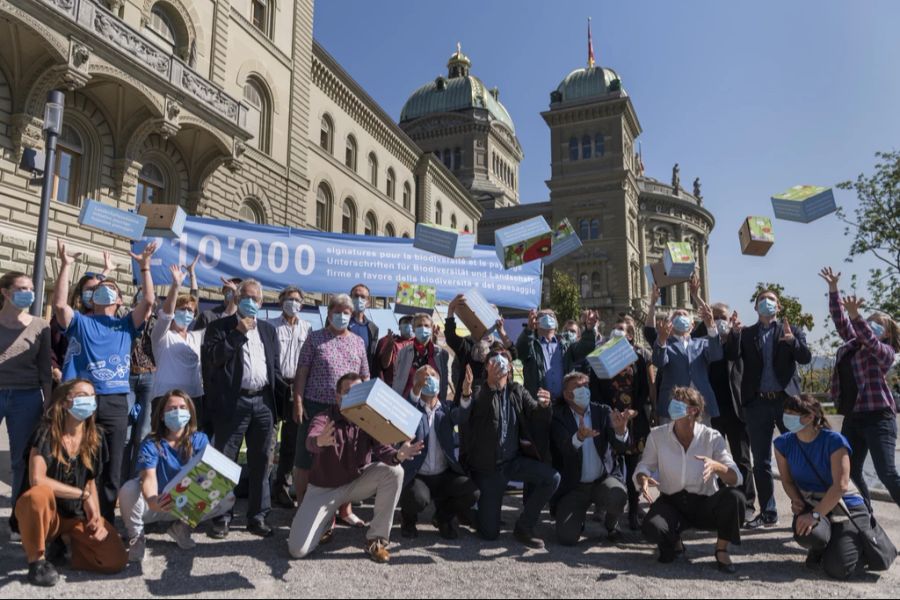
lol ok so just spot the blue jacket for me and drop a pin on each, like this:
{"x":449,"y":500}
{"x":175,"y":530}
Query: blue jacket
{"x":680,"y":368}
{"x":445,"y":421}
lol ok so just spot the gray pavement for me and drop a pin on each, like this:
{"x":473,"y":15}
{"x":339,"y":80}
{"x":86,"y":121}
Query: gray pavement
{"x":770,"y":565}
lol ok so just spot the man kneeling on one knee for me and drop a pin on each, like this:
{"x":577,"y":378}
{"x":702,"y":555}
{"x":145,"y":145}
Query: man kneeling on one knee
{"x":343,"y":471}
{"x":585,"y":437}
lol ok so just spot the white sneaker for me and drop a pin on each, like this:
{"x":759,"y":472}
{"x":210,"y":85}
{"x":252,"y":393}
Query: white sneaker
{"x":181,"y":533}
{"x":136,"y":547}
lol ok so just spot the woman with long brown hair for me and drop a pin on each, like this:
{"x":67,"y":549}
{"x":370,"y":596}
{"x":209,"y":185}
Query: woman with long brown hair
{"x":60,"y":500}
{"x":173,"y":441}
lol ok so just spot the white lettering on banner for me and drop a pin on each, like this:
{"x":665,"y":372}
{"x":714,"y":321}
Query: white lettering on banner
{"x":210,"y":259}
{"x":285,"y":259}
{"x":298,"y":259}
{"x":257,"y":255}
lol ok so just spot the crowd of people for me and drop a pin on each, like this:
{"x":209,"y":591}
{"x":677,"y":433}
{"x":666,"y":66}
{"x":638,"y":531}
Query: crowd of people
{"x":106,"y":404}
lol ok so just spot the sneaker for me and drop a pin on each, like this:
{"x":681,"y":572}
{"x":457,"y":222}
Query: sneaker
{"x":218,"y":529}
{"x":136,"y":548}
{"x":526,"y":537}
{"x":377,"y":550}
{"x":42,"y":573}
{"x":181,"y":533}
{"x":281,"y":497}
{"x":761,"y":521}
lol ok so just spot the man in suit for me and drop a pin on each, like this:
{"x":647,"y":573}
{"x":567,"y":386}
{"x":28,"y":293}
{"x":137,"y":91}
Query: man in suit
{"x":423,"y":351}
{"x":362,"y":326}
{"x":435,"y":475}
{"x":586,"y":437}
{"x":245,"y":356}
{"x":770,"y":351}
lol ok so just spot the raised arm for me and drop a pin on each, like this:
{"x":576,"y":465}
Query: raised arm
{"x":835,"y":306}
{"x":61,"y":308}
{"x":142,"y":311}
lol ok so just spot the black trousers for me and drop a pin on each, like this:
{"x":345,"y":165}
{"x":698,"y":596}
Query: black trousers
{"x":735,"y":431}
{"x":722,"y":512}
{"x":838,"y":542}
{"x":288,"y":447}
{"x":607,"y":494}
{"x":451,"y":493}
{"x":112,"y":416}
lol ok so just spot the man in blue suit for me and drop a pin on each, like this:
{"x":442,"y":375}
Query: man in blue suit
{"x":683,"y":361}
{"x":435,"y":474}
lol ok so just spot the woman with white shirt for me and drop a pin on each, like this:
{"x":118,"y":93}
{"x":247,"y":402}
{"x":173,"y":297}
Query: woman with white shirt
{"x":687,"y":461}
{"x":176,"y":348}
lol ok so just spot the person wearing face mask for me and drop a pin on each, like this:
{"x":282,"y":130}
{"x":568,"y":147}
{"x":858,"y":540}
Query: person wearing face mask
{"x":469,"y":352}
{"x":587,"y":439}
{"x":246,"y":363}
{"x":697,"y":479}
{"x":100,"y":346}
{"x":360,"y":325}
{"x":435,"y":475}
{"x":227,"y":308}
{"x":829,"y":512}
{"x":770,"y":351}
{"x":423,"y":351}
{"x":388,"y":348}
{"x":327,"y":355}
{"x":174,"y":440}
{"x":59,"y":505}
{"x":292,"y":334}
{"x":859,"y":387}
{"x":25,"y":377}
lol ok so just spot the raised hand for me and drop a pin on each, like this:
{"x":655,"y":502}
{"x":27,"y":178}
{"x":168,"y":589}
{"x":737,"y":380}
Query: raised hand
{"x":711,"y":467}
{"x":458,"y":301}
{"x":419,"y":382}
{"x":543,"y":398}
{"x":591,"y":319}
{"x":326,"y":438}
{"x":532,"y":320}
{"x":706,"y":314}
{"x":143,"y":259}
{"x":829,"y":276}
{"x":664,"y":332}
{"x":695,"y":285}
{"x":108,"y":264}
{"x":229,"y":285}
{"x":191,"y":268}
{"x":655,"y":295}
{"x":468,"y":380}
{"x":246,"y":324}
{"x":65,"y":258}
{"x":620,"y":420}
{"x":735,"y":321}
{"x":788,"y":334}
{"x":410,"y":450}
{"x":495,"y":374}
{"x":177,"y":275}
{"x":585,"y":432}
{"x":853,"y":304}
{"x":501,"y":330}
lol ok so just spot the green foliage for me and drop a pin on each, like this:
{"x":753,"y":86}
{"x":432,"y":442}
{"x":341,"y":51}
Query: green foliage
{"x":565,"y":298}
{"x":790,"y":306}
{"x":875,"y":229}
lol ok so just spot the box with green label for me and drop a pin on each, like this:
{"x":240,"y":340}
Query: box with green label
{"x":612,"y":358}
{"x":523,"y":242}
{"x":202,"y":485}
{"x":678,"y":260}
{"x":565,"y":242}
{"x":412,"y":299}
{"x":756,"y":236}
{"x":804,"y":203}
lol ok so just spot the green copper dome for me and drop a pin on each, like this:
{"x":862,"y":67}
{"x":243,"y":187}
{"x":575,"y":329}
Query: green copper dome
{"x":585,"y":83}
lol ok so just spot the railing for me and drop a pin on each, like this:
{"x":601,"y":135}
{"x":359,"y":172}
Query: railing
{"x":662,"y":189}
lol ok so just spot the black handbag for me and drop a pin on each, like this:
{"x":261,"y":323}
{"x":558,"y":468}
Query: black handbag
{"x":877,"y":547}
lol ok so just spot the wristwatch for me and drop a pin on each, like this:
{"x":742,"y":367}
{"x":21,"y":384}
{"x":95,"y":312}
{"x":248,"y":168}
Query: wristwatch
{"x":817,"y":516}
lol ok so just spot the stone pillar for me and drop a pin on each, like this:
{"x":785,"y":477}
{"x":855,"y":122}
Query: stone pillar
{"x":301,"y":59}
{"x":219,"y":52}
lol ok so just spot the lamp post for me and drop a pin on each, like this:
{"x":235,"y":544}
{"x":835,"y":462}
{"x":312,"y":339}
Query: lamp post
{"x":53,"y":117}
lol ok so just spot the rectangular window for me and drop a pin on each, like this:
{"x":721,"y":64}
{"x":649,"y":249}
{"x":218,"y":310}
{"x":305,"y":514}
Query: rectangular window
{"x":261,"y":15}
{"x":65,"y":177}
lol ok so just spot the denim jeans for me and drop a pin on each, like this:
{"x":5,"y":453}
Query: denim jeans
{"x":22,"y":410}
{"x":141,"y":388}
{"x":763,"y":416}
{"x":874,"y":432}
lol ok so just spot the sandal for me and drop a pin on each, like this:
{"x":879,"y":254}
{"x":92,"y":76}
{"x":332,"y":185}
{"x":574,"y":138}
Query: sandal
{"x":352,"y":521}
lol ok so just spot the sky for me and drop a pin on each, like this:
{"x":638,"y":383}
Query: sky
{"x":751,"y":97}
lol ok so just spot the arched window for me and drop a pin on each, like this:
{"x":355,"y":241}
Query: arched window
{"x":406,"y":235}
{"x":599,"y":145}
{"x":457,"y":157}
{"x":251,"y":212}
{"x":70,"y":150}
{"x":453,"y":221}
{"x":407,"y":196}
{"x":584,"y":229}
{"x":151,"y":185}
{"x":438,"y":214}
{"x":259,"y":115}
{"x":389,"y":230}
{"x":585,"y":286}
{"x":595,"y":229}
{"x":348,"y":220}
{"x":323,"y":205}
{"x":391,"y":187}
{"x":263,"y":16}
{"x":586,"y":147}
{"x":573,"y":149}
{"x":373,"y":169}
{"x":597,"y":287}
{"x":162,"y":28}
{"x":350,"y":153}
{"x":326,"y":134}
{"x":371,"y":227}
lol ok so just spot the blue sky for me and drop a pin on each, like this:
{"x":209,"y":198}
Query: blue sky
{"x":752,"y":97}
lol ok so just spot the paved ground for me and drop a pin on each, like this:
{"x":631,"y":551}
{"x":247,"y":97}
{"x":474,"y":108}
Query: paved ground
{"x":770,"y":565}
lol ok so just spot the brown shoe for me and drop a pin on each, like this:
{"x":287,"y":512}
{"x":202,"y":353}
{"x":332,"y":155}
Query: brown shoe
{"x":377,"y":550}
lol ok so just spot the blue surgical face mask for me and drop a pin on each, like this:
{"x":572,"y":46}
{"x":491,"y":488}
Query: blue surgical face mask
{"x":570,"y":336}
{"x":248,"y":307}
{"x":677,"y":410}
{"x":340,"y":320}
{"x":722,"y":327}
{"x":105,"y":296}
{"x":582,"y":397}
{"x":547,"y":322}
{"x":432,"y":386}
{"x":406,"y":330}
{"x":23,"y":299}
{"x":877,"y":329}
{"x":83,"y":407}
{"x":617,"y":333}
{"x":184,"y":318}
{"x":359,"y":304}
{"x":682,"y":324}
{"x":177,"y":418}
{"x":423,"y":334}
{"x":87,"y":298}
{"x":767,"y":307}
{"x":501,"y":360}
{"x":793,"y":423}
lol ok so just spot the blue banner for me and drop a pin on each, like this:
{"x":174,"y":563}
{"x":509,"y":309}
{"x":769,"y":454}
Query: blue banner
{"x":333,"y":263}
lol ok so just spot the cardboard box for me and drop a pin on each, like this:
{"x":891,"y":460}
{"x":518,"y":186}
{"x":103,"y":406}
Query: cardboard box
{"x":379,"y":411}
{"x":163,"y":220}
{"x":756,"y":236}
{"x":804,"y":203}
{"x":518,"y":372}
{"x":412,"y":299}
{"x":612,"y":358}
{"x":444,"y":241}
{"x":678,"y":260}
{"x":202,"y":484}
{"x":112,"y":220}
{"x":477,"y":315}
{"x":523,"y":242}
{"x":656,"y":273}
{"x":565,"y":242}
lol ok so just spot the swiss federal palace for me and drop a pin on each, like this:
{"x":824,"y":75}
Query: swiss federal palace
{"x":232,"y":110}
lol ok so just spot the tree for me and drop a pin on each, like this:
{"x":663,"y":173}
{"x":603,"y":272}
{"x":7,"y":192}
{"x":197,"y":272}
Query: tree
{"x":875,"y":228}
{"x":565,"y":298}
{"x":790,"y":306}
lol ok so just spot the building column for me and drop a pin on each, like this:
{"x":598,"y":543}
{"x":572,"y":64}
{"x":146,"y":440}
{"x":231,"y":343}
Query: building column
{"x":218,"y":63}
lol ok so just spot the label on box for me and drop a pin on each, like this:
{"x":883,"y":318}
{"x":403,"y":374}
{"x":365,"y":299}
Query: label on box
{"x":761,"y":229}
{"x":410,"y":295}
{"x":565,"y":241}
{"x":798,"y":193}
{"x":202,"y":484}
{"x":112,"y":220}
{"x":523,"y":242}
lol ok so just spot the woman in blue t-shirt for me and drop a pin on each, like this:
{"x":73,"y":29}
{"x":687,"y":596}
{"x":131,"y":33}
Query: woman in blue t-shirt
{"x":814,"y":463}
{"x":173,"y":441}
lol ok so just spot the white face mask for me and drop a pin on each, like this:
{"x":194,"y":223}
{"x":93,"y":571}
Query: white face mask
{"x":292,"y":308}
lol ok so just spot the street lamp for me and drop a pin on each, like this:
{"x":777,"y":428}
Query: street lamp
{"x":53,"y":118}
